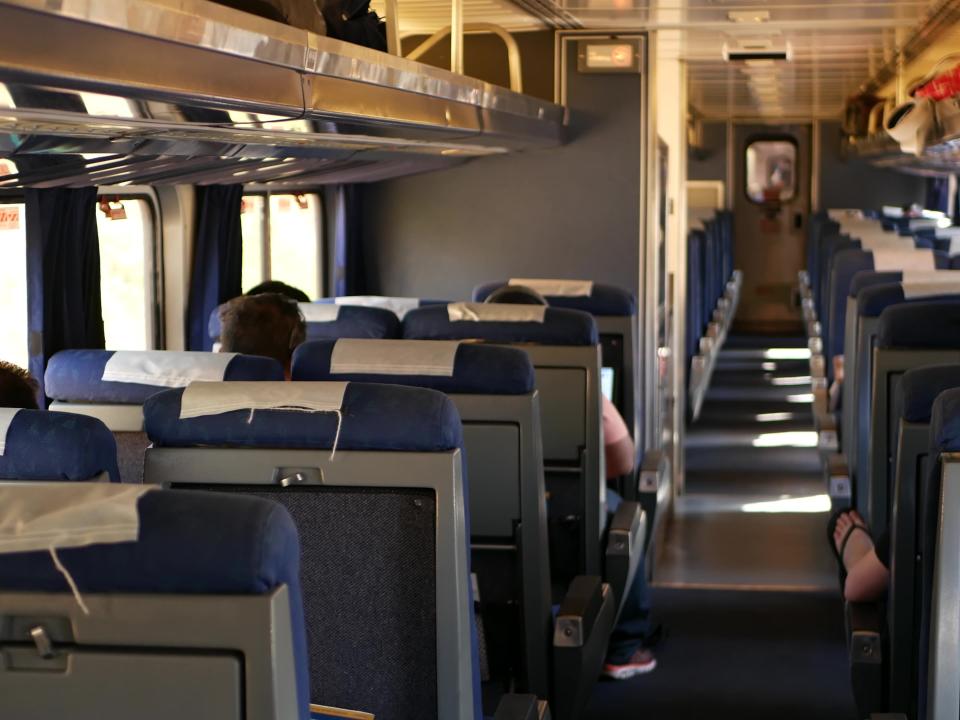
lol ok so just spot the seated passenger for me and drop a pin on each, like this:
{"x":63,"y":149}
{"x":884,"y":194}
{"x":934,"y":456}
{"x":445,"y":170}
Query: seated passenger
{"x":281,"y":288}
{"x":627,"y":655}
{"x":18,"y":389}
{"x":269,"y":325}
{"x":866,"y":564}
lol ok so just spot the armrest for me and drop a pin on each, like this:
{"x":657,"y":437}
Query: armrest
{"x":828,"y":441}
{"x":625,"y":539}
{"x":522,"y":707}
{"x":864,"y":622}
{"x":838,"y":478}
{"x":580,"y":638}
{"x":580,"y":611}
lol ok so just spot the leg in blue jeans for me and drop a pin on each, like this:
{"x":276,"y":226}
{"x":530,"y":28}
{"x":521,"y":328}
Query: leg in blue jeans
{"x":634,"y":625}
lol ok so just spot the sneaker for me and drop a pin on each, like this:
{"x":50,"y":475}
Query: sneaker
{"x":642,"y":661}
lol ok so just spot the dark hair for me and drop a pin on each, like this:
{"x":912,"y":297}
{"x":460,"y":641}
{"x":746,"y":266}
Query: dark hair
{"x":280,"y":288}
{"x":268,"y":324}
{"x":516,"y":295}
{"x":18,"y":389}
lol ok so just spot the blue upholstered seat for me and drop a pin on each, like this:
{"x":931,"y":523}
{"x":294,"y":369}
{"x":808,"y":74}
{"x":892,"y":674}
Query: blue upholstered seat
{"x":920,"y":325}
{"x":945,"y":421}
{"x":375,"y":417}
{"x":559,"y":327}
{"x":189,"y":543}
{"x":477,"y":368}
{"x":353,"y":321}
{"x":921,"y":386}
{"x":875,"y":299}
{"x":76,"y":376}
{"x":44,"y":445}
{"x":602,"y":300}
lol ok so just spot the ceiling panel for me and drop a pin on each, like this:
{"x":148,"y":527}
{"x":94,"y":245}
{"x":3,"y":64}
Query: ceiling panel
{"x":835,"y":45}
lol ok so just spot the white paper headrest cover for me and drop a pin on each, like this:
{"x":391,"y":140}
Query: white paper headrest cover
{"x":394,"y":357}
{"x":400,"y":306}
{"x":6,"y":417}
{"x":556,"y":288}
{"x":319,"y":312}
{"x":211,"y":398}
{"x":495,"y":312}
{"x":892,"y":260}
{"x":41,"y":516}
{"x":929,"y":289}
{"x":166,"y":369}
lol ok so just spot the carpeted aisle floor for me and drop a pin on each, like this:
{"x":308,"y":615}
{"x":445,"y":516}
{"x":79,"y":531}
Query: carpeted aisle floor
{"x":748,"y":590}
{"x":738,"y":655}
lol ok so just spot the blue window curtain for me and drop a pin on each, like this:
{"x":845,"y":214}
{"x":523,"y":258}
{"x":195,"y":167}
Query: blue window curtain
{"x":344,"y":204}
{"x":63,"y":273}
{"x":217,"y":259}
{"x":938,"y":194}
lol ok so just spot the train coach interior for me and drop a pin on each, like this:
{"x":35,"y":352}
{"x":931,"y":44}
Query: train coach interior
{"x":520,"y":235}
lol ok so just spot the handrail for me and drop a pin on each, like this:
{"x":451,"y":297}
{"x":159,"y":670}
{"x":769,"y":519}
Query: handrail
{"x":513,"y":50}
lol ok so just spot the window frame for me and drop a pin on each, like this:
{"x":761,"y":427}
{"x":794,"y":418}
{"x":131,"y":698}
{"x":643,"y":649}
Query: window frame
{"x":265,"y":249}
{"x":156,"y":310}
{"x":771,"y":137}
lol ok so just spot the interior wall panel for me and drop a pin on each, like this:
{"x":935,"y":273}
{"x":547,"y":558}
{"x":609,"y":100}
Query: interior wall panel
{"x":572,"y":211}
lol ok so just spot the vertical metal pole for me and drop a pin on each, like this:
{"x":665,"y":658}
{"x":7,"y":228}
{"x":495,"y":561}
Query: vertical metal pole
{"x":456,"y":36}
{"x":393,"y":28}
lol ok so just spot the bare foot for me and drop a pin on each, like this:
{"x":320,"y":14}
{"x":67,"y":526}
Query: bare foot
{"x":859,"y":542}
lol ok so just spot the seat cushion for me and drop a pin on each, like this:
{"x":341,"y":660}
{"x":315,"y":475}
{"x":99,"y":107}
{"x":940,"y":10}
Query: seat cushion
{"x":477,"y":369}
{"x":191,"y":542}
{"x":46,"y":445}
{"x":375,"y":417}
{"x":559,"y":327}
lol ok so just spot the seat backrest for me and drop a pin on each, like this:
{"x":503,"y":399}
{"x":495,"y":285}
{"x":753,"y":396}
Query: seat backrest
{"x":940,"y":535}
{"x":920,"y":387}
{"x":562,"y":345}
{"x":614,"y":310}
{"x":330,"y":321}
{"x":493,"y":390}
{"x":862,"y":317}
{"x":373,"y":477}
{"x":40,"y":445}
{"x":399,"y":306}
{"x":848,"y":263}
{"x":112,"y":385}
{"x":696,"y":323}
{"x":909,"y":335}
{"x":199,"y":618}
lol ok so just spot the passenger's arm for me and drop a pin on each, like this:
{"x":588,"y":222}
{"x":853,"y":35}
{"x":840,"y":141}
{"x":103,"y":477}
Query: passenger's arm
{"x":867,"y":580}
{"x":619,"y":457}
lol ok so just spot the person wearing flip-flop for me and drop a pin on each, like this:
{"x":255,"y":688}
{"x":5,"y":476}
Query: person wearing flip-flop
{"x":866,"y":563}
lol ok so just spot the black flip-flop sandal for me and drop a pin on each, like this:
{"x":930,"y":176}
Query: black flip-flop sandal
{"x":838,"y":552}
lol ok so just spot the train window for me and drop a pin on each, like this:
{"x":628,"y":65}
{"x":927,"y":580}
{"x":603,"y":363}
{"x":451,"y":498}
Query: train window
{"x":127,"y":289}
{"x":13,"y":283}
{"x":282,"y":240}
{"x":771,"y":170}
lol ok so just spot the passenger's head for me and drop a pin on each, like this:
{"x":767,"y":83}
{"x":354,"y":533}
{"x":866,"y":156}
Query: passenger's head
{"x":516,"y":295}
{"x":281,"y":288}
{"x":18,"y":389}
{"x":268,"y":324}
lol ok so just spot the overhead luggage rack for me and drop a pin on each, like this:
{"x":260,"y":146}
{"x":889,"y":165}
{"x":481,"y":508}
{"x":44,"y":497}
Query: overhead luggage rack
{"x":193,"y":79}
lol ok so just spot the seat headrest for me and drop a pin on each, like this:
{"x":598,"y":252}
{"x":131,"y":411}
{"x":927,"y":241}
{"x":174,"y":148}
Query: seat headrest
{"x":920,"y":325}
{"x":921,"y":386}
{"x":399,"y":306}
{"x":326,"y":320}
{"x":874,"y":300}
{"x":868,"y":278}
{"x":77,"y":375}
{"x":190,"y":542}
{"x":601,"y":299}
{"x":45,"y":445}
{"x":945,"y":422}
{"x":559,"y":327}
{"x":374,"y":417}
{"x":474,"y":368}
